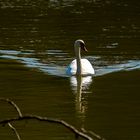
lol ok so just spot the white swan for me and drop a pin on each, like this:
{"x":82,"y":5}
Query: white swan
{"x":80,"y":66}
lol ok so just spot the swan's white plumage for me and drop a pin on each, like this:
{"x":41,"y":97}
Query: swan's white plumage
{"x":87,"y":68}
{"x":80,"y":66}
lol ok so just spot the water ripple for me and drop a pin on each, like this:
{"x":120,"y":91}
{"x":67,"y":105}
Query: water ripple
{"x":59,"y":70}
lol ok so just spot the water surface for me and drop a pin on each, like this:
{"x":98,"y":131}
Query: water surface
{"x":36,"y":45}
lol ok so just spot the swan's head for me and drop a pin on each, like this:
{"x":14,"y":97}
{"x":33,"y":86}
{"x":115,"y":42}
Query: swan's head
{"x":80,"y":44}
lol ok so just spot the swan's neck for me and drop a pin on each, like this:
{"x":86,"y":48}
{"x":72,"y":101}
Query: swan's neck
{"x":78,"y":59}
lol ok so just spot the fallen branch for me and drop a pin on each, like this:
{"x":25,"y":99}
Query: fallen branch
{"x":93,"y":134}
{"x":45,"y":119}
{"x":19,"y":114}
{"x":14,"y":130}
{"x":13,"y":104}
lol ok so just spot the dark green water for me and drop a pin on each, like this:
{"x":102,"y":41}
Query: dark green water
{"x":36,"y":45}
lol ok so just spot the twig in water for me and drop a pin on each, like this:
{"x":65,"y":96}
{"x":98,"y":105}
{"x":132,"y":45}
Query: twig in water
{"x":93,"y":134}
{"x":13,"y":104}
{"x":14,"y":130}
{"x":45,"y":119}
{"x":19,"y":114}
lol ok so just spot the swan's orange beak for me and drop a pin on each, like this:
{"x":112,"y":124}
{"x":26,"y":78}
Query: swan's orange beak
{"x":83,"y":47}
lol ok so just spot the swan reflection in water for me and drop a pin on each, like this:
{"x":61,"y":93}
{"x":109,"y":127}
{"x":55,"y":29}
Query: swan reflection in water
{"x":80,"y":86}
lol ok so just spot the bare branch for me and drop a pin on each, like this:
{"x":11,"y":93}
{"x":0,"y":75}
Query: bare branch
{"x":45,"y":119}
{"x":14,"y":130}
{"x":13,"y":104}
{"x":93,"y":134}
{"x":19,"y":113}
{"x":51,"y":120}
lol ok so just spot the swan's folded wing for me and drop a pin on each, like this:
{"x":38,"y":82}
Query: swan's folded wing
{"x":87,"y":68}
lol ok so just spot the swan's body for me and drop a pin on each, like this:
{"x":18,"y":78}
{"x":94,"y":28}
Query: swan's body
{"x":80,"y":66}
